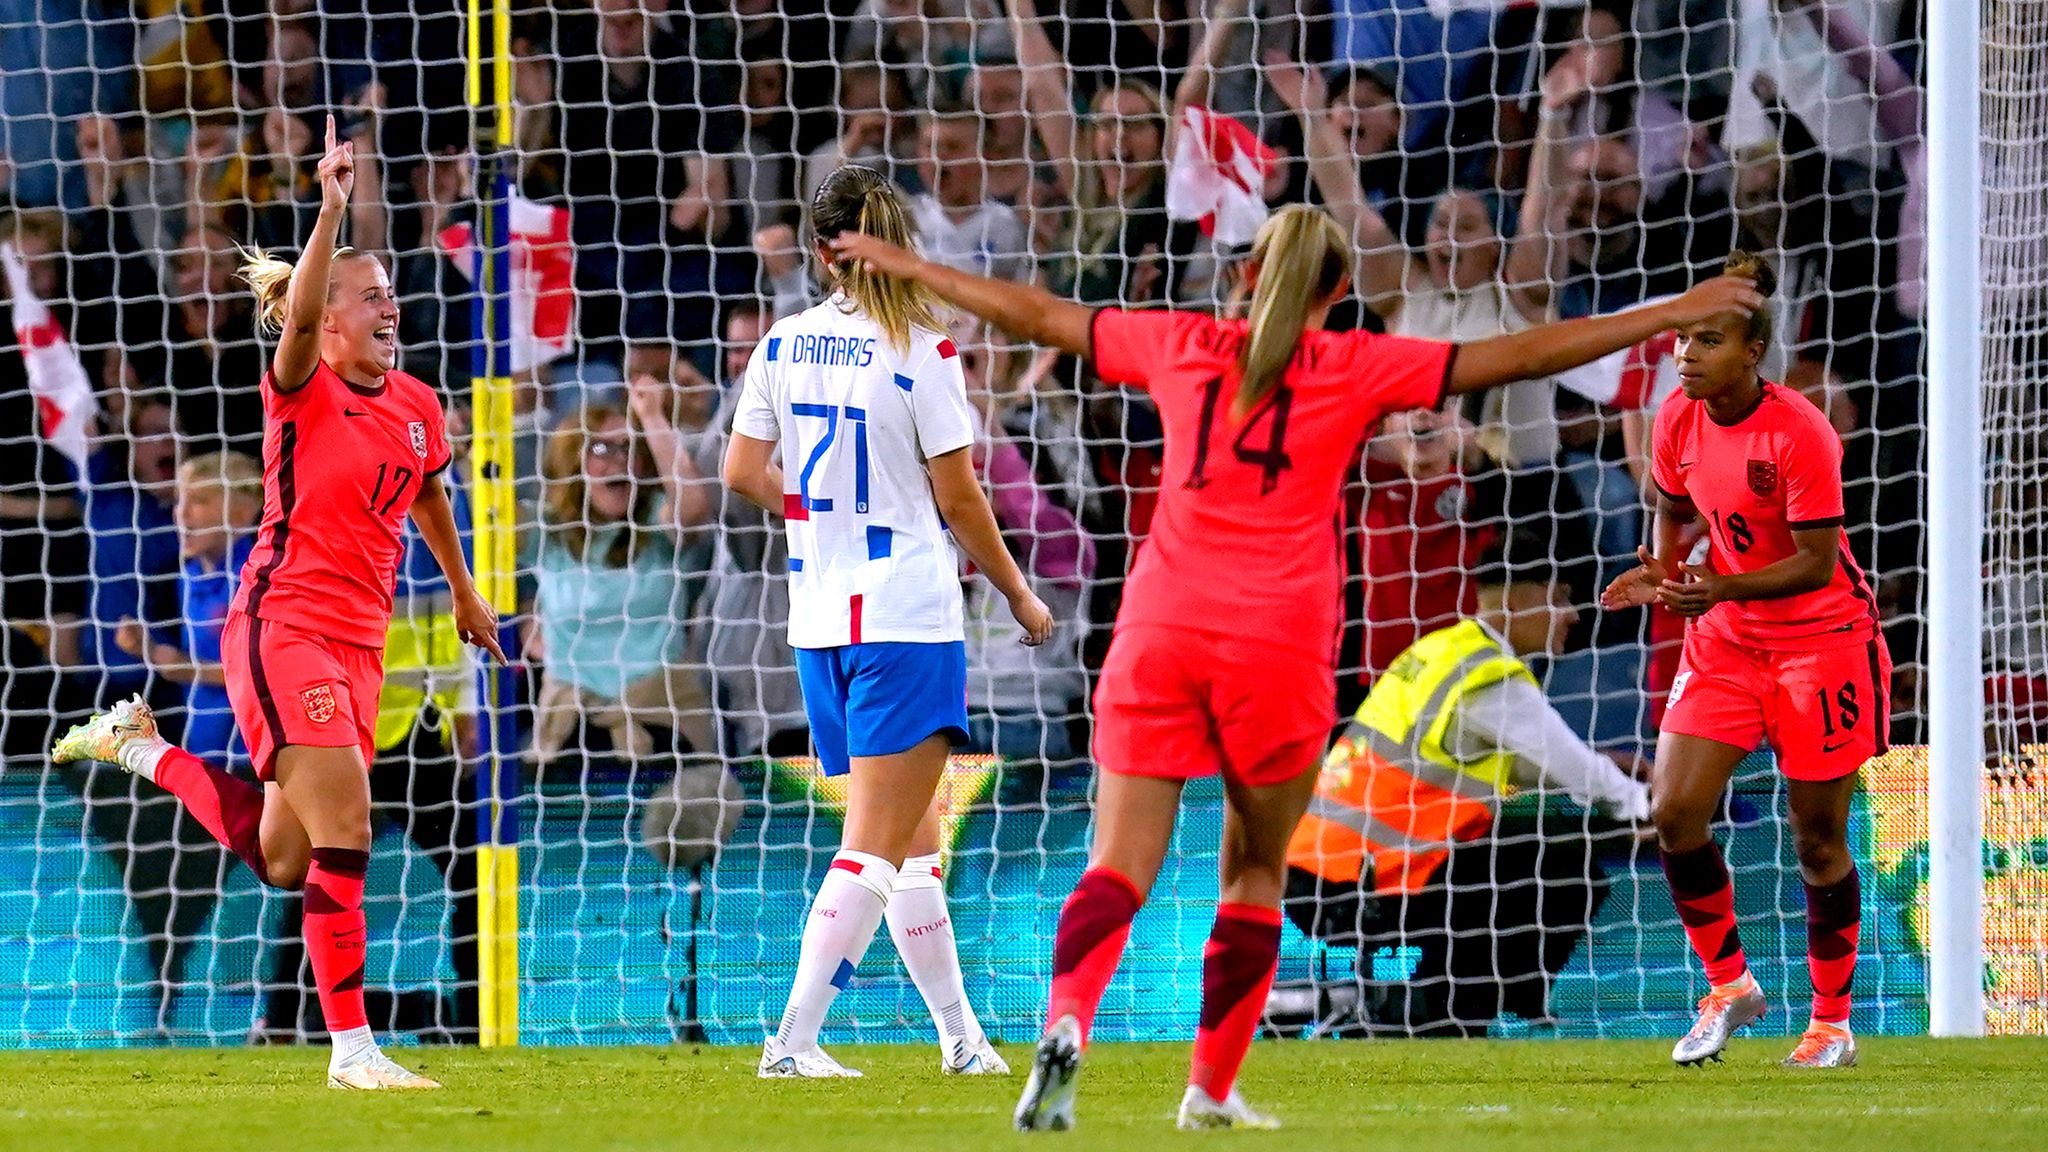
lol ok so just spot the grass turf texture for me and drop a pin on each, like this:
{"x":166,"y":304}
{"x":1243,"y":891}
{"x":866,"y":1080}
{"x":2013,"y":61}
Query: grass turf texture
{"x":1910,"y":1094}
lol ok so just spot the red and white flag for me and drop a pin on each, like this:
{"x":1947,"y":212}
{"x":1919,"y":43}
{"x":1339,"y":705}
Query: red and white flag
{"x":1640,"y":376}
{"x":65,"y":404}
{"x":1218,"y":176}
{"x":543,"y":278}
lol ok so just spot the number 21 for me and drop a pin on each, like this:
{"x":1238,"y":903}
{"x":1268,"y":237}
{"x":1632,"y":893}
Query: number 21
{"x":857,"y":420}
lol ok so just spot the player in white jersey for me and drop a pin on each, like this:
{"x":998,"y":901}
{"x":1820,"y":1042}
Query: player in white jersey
{"x":863,"y":398}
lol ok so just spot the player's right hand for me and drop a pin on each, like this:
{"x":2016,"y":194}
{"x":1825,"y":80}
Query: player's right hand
{"x":1721,"y":294}
{"x":1637,"y":587}
{"x":1036,"y":618}
{"x":879,"y":255}
{"x":337,"y":171}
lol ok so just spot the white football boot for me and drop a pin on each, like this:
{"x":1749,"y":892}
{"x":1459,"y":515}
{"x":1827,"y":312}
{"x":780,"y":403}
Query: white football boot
{"x":1722,"y":1011}
{"x":127,"y":725}
{"x":1824,"y":1046}
{"x":1048,"y":1101}
{"x":979,"y":1058}
{"x":809,"y":1064}
{"x":1198,"y":1109}
{"x":376,"y":1072}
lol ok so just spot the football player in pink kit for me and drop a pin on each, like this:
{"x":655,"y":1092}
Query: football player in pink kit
{"x":1225,"y":648}
{"x":351,"y":446}
{"x":1781,"y":647}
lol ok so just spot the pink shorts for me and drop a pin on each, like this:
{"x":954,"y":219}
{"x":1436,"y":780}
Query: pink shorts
{"x":1182,"y":704}
{"x":291,"y":686}
{"x":1823,"y":713}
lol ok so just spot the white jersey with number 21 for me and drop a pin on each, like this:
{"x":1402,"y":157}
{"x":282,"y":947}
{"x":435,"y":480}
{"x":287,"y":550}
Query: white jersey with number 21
{"x":869,"y":559}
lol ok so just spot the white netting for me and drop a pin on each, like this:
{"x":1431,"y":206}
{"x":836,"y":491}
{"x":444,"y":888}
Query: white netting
{"x":1500,"y":163}
{"x":2015,"y":94}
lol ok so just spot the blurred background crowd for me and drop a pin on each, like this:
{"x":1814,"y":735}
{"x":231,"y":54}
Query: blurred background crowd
{"x":1499,"y":164}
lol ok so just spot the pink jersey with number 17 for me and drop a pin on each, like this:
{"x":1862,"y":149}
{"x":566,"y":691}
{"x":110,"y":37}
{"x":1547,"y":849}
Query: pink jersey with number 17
{"x":1246,"y":538}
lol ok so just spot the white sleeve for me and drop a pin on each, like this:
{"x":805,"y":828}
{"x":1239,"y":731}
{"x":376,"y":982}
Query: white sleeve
{"x":938,"y":403}
{"x":1513,"y":716}
{"x":756,"y":415}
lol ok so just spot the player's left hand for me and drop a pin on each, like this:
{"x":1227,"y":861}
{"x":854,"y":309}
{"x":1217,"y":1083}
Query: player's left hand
{"x":1695,"y":591}
{"x":1036,"y":618}
{"x":477,"y":623}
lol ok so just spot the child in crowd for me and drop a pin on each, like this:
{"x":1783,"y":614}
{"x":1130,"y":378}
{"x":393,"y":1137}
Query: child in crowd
{"x":220,"y":496}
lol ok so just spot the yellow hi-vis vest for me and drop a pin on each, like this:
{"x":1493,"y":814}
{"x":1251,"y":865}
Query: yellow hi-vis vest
{"x":1390,"y":790}
{"x":423,"y":659}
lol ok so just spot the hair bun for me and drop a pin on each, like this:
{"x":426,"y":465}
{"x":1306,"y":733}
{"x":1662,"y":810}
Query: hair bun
{"x":1743,"y":262}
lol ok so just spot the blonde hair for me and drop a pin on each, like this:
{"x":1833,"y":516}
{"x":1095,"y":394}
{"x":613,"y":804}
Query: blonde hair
{"x":857,"y":198}
{"x":1302,"y":258}
{"x":564,"y":514}
{"x":1742,"y":262}
{"x":270,"y":278}
{"x":232,"y":472}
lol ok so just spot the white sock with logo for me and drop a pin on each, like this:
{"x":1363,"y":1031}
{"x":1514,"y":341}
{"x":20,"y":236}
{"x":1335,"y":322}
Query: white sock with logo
{"x":922,"y":928}
{"x":841,"y":925}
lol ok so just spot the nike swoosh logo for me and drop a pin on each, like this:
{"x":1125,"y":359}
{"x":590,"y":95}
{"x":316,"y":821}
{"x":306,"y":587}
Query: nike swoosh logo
{"x":1826,"y":748}
{"x":352,"y":412}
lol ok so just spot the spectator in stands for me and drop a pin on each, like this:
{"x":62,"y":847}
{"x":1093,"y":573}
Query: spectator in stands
{"x":1422,"y":535}
{"x":1400,"y":846}
{"x":1019,"y":697}
{"x":995,"y":90}
{"x":869,"y":99}
{"x":745,"y":608}
{"x":646,"y":180}
{"x":536,"y":117}
{"x":958,"y":223}
{"x":763,"y":175}
{"x":219,"y":498}
{"x":215,"y":361}
{"x":606,"y":621}
{"x":1110,"y":168}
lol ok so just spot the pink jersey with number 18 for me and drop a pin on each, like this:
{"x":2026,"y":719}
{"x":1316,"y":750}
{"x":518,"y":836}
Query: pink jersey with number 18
{"x":1246,"y":538}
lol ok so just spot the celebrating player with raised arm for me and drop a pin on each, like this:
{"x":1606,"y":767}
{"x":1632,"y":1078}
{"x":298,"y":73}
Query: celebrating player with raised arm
{"x":350,"y":447}
{"x":864,"y":397}
{"x":1224,"y":654}
{"x":1781,"y":646}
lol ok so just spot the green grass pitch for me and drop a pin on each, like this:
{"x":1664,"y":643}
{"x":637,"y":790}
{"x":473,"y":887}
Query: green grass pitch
{"x":1910,"y":1095}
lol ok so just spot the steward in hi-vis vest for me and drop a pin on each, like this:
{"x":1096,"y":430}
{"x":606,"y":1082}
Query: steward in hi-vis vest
{"x":1398,"y":847}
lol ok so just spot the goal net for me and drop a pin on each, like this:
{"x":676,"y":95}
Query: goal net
{"x":662,"y":825}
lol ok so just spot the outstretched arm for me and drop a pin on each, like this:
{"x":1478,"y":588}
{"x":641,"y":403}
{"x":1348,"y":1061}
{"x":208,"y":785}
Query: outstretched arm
{"x":305,"y":300}
{"x":1553,"y":348}
{"x":1022,"y":310}
{"x":1195,"y":84}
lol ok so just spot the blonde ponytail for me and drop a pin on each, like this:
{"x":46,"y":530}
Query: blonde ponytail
{"x":1302,"y":259}
{"x":270,"y":278}
{"x":856,"y":198}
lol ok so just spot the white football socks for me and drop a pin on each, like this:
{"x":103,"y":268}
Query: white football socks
{"x":351,"y":1045}
{"x":841,"y":925}
{"x":142,"y":756}
{"x":922,"y":928}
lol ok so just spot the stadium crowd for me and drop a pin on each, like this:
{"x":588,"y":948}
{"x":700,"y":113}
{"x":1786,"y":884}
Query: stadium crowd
{"x":1497,"y":165}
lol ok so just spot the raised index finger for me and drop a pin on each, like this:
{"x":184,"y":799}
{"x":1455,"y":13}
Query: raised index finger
{"x":330,"y":131}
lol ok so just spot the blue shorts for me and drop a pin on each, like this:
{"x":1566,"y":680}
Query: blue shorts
{"x":881,"y":699}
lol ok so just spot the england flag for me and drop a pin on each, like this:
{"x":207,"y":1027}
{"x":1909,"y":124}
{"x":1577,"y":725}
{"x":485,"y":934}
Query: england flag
{"x":65,"y":405}
{"x":1218,"y":176}
{"x":543,"y":278}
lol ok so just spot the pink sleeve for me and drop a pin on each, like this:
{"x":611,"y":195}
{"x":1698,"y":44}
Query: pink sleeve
{"x":1402,"y":371}
{"x":1664,"y":454}
{"x":1810,"y":458}
{"x":1130,"y":347}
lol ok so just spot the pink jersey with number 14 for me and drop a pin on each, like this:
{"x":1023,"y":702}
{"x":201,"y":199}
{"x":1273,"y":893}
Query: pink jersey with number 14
{"x":1246,"y":538}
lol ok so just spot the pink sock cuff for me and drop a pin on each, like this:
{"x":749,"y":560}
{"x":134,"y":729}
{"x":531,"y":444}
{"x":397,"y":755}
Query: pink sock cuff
{"x":1118,"y":878}
{"x":1251,"y":913}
